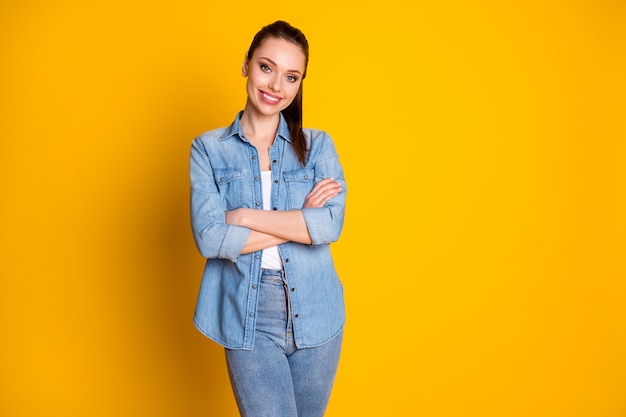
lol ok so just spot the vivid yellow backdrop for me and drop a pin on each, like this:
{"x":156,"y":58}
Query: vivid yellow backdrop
{"x":483,"y":252}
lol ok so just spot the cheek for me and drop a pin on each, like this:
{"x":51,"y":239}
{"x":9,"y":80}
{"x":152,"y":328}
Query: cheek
{"x":249,"y":86}
{"x":255,"y":76}
{"x":293,"y":89}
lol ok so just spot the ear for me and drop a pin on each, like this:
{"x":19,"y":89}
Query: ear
{"x":244,"y":66}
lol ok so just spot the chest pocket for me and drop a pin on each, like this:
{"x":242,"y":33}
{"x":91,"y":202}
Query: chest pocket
{"x":299,"y":183}
{"x":230,"y":186}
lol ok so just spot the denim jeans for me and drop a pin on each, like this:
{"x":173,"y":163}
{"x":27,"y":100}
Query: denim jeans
{"x":276,"y":379}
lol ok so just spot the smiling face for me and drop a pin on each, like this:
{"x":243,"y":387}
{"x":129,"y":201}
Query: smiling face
{"x":275,"y":71}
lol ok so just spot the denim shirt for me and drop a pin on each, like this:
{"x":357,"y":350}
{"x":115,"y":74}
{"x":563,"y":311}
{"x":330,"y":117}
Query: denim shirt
{"x":225,"y":175}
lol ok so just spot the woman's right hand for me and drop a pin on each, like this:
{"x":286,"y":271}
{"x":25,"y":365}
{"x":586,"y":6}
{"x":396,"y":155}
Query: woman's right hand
{"x":323,"y":191}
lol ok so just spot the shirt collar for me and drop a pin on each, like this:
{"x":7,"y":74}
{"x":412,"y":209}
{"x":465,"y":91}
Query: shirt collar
{"x":235,"y":129}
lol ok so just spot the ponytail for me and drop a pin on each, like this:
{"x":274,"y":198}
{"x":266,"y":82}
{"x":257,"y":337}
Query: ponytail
{"x":293,"y":116}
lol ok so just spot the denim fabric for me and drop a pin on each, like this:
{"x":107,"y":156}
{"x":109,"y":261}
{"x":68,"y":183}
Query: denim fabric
{"x":275,"y":379}
{"x":225,"y":174}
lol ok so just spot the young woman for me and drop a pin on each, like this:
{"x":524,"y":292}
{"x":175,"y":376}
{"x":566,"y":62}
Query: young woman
{"x":267,"y":199}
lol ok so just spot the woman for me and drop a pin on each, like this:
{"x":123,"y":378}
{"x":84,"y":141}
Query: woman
{"x":267,"y":199}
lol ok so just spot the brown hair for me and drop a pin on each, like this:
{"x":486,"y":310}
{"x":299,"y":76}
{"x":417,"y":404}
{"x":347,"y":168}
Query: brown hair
{"x":293,"y":113}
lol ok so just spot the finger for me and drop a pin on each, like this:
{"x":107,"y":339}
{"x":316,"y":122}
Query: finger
{"x":324,"y":185}
{"x":320,"y":199}
{"x":321,"y":184}
{"x":323,"y":196}
{"x":328,"y":196}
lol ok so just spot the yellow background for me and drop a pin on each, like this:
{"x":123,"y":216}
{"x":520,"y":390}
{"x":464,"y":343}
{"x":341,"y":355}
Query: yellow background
{"x":483,"y":251}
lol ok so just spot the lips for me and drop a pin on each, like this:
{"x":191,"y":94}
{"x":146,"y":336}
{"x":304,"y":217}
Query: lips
{"x":269,"y":98}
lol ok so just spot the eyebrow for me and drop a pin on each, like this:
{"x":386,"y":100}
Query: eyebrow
{"x":274,"y":64}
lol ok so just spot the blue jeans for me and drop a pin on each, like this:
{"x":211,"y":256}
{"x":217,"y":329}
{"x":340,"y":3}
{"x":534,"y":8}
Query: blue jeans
{"x":276,"y":379}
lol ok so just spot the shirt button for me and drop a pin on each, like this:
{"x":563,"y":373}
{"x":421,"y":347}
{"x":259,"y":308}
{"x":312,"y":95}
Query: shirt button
{"x":287,"y":260}
{"x":222,"y":179}
{"x":293,"y":289}
{"x":274,"y":161}
{"x":297,"y":315}
{"x":254,"y":287}
{"x":306,"y":177}
{"x":275,"y":208}
{"x":253,"y":156}
{"x":275,"y":181}
{"x":257,"y":204}
{"x":256,"y":178}
{"x":257,"y":257}
{"x":252,"y":315}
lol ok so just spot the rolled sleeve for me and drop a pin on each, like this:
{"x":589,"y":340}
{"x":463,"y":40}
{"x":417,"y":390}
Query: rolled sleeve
{"x":318,"y":222}
{"x":214,"y":238}
{"x":234,"y":240}
{"x":326,"y":223}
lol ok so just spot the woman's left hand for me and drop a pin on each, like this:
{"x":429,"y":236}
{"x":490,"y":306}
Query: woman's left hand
{"x":323,"y":191}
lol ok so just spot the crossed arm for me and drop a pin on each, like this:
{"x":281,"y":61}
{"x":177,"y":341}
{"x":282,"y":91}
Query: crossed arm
{"x":270,"y":228}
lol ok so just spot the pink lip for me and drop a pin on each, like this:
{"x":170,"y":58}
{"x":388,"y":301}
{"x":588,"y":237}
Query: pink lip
{"x":264,"y":96}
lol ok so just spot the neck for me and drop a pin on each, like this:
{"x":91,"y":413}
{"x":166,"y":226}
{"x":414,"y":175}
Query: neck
{"x":259,"y":127}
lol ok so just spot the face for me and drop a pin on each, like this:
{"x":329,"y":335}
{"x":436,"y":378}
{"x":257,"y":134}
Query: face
{"x":274,"y":74}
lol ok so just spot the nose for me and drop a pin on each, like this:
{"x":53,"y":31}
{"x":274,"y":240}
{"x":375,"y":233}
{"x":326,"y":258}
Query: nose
{"x":274,"y":83}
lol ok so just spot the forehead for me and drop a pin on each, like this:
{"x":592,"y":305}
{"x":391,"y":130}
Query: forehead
{"x":283,"y":53}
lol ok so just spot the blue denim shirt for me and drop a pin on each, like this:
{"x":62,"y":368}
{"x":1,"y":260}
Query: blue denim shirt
{"x":225,"y":174}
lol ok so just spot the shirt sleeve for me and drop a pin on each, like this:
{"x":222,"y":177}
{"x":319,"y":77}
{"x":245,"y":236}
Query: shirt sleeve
{"x":214,"y":238}
{"x":326,"y":223}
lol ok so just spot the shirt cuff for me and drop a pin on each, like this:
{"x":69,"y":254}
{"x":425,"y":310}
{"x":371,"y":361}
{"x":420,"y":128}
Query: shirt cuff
{"x":319,"y":224}
{"x":234,"y":241}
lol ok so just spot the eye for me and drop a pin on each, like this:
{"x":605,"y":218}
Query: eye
{"x":292,"y":78}
{"x":265,"y":68}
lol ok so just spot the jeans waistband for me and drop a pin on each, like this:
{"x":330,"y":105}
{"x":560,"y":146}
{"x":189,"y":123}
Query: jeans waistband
{"x":273,"y":273}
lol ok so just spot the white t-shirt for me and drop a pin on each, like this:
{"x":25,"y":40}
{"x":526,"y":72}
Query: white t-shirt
{"x":271,"y":257}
